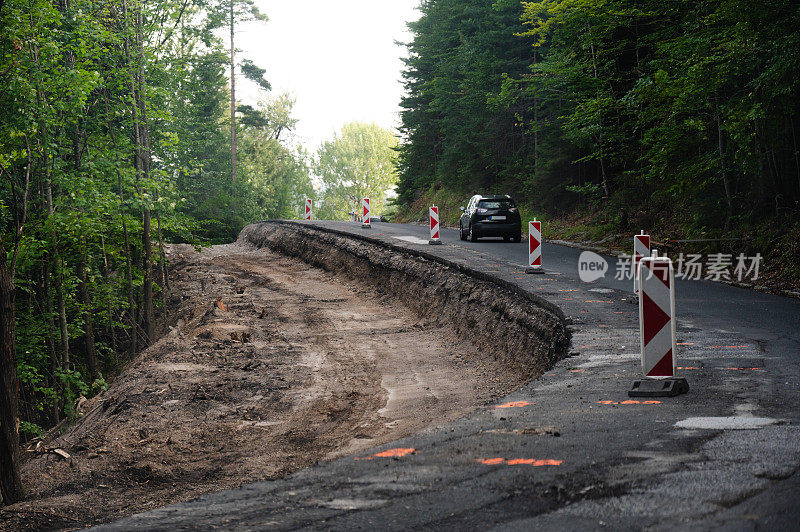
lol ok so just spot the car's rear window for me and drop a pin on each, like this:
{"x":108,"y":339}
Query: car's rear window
{"x":496,"y":204}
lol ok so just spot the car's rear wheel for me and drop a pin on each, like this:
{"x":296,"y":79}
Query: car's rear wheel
{"x":517,"y":237}
{"x":473,"y":236}
{"x":461,"y":234}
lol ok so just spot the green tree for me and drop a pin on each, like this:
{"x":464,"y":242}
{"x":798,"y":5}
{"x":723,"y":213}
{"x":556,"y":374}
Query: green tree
{"x":358,"y":162}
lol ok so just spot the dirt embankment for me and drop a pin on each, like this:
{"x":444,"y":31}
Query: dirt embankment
{"x":520,"y":332}
{"x":269,"y":366}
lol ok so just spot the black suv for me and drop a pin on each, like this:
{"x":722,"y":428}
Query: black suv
{"x":490,"y":216}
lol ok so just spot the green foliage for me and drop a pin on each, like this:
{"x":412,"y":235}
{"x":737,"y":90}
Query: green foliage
{"x":117,"y":111}
{"x":684,"y":111}
{"x":358,"y":162}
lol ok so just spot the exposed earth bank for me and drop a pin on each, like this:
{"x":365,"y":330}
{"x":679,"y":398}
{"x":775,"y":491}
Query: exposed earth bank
{"x":269,"y":366}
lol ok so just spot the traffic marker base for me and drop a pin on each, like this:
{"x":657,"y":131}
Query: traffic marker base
{"x":434,"y":242}
{"x":659,"y":387}
{"x":366,"y":226}
{"x":533,"y":270}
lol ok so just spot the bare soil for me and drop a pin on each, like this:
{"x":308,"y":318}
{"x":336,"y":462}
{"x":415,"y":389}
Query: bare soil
{"x":269,"y":366}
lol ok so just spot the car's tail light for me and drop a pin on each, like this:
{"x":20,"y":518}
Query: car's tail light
{"x":481,"y":210}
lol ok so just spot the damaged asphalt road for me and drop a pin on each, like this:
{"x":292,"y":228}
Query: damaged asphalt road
{"x":569,"y":450}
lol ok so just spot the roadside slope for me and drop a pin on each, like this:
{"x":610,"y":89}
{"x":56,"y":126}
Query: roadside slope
{"x":270,"y":365}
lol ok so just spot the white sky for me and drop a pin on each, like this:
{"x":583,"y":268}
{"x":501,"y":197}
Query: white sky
{"x":337,"y":58}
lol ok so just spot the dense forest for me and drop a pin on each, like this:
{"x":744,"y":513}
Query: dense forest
{"x":119,"y":132}
{"x":679,"y":117}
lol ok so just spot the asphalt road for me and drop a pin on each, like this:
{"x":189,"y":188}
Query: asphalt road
{"x":573,"y":453}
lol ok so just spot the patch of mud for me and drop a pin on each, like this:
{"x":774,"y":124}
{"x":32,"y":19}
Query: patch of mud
{"x":269,"y":366}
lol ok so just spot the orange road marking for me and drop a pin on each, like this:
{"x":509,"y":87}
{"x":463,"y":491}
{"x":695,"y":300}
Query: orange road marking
{"x":575,"y":370}
{"x":535,"y":463}
{"x":629,"y":402}
{"x":726,"y":346}
{"x":390,"y":453}
{"x":687,"y":367}
{"x":745,"y":369}
{"x":395,"y":453}
{"x":685,"y":343}
{"x":521,"y":461}
{"x":514,"y":404}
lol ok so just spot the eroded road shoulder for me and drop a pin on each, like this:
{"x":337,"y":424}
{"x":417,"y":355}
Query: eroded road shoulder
{"x":269,"y":365}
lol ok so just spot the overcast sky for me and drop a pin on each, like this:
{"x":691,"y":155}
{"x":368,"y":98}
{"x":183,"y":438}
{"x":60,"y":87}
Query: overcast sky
{"x":337,"y":58}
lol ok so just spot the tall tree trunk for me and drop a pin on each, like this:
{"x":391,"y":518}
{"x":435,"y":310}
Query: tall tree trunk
{"x":233,"y":98}
{"x":54,"y":359}
{"x":56,"y":270}
{"x":141,"y":164}
{"x":162,"y":256}
{"x":724,"y":170}
{"x":536,"y":125}
{"x":147,"y":282}
{"x":10,"y":484}
{"x":127,"y":243}
{"x":795,"y":152}
{"x":88,"y":323}
{"x":599,"y":123}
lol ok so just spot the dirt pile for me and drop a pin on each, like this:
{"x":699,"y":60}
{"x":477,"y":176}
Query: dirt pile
{"x":269,"y":366}
{"x":518,"y":331}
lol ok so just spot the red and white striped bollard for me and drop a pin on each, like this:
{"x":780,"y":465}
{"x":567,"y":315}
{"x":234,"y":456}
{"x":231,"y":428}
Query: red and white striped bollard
{"x":308,"y":209}
{"x":433,"y":216}
{"x":641,"y":248}
{"x":657,"y":330}
{"x":365,"y":213}
{"x":534,"y":247}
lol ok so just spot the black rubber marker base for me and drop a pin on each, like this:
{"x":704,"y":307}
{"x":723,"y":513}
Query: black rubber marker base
{"x":533,"y":270}
{"x":659,"y":387}
{"x":435,"y":242}
{"x":366,"y":226}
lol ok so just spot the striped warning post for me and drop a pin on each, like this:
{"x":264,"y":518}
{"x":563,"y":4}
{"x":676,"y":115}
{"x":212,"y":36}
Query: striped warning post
{"x":365,"y":213}
{"x":433,"y":216}
{"x":308,"y":209}
{"x":534,"y":247}
{"x":641,"y":248}
{"x":657,"y":316}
